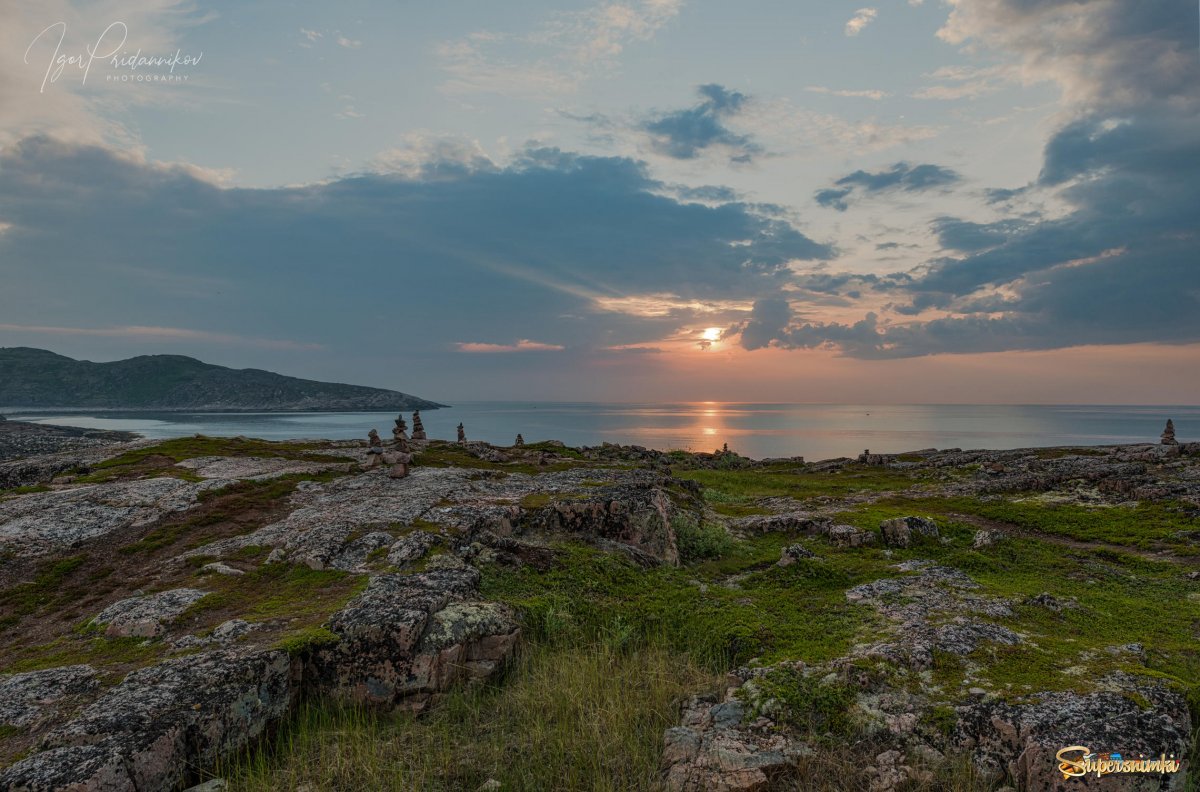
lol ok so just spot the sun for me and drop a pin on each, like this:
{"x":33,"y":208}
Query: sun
{"x":711,"y":334}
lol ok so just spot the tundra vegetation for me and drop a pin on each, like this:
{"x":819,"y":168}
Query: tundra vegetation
{"x":780,"y":597}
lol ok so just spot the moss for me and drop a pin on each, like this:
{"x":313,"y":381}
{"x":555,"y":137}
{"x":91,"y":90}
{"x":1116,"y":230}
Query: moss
{"x":940,"y":720}
{"x":87,"y":647}
{"x":306,"y":641}
{"x":697,"y":539}
{"x":814,"y":706}
{"x":755,"y":483}
{"x":46,"y":588}
{"x":778,"y":613}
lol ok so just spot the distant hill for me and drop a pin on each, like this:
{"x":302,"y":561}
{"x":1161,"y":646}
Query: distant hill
{"x":39,"y":378}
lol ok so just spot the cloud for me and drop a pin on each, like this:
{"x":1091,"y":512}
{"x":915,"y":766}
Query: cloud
{"x":901,"y":176}
{"x":567,"y":48}
{"x":1115,"y":264}
{"x":348,"y":43}
{"x":158,"y":334}
{"x":686,"y":134}
{"x":32,"y":103}
{"x":863,"y":94}
{"x":862,"y":17}
{"x":524,"y":345}
{"x":410,"y":262}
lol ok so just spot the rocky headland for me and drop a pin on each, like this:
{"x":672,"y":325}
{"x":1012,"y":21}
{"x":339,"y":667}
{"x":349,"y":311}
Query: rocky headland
{"x":173,"y":613}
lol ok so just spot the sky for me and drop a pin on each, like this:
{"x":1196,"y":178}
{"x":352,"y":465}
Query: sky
{"x":873,"y":201}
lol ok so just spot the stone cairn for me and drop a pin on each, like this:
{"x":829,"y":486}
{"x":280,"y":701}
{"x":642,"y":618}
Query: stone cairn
{"x":418,"y":427}
{"x":462,"y":434}
{"x":374,"y":450}
{"x":1168,"y":435}
{"x":520,"y":443}
{"x":400,"y":431}
{"x":399,"y":458}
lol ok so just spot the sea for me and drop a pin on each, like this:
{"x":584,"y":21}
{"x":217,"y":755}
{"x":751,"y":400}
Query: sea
{"x":814,"y":431}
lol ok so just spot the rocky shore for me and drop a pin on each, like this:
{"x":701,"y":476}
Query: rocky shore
{"x":166,"y":606}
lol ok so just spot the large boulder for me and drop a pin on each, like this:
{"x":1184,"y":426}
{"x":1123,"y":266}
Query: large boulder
{"x":409,"y":637}
{"x":900,"y":531}
{"x":150,"y":732}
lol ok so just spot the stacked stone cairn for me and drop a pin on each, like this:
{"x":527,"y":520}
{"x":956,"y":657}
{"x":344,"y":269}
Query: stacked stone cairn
{"x":1168,"y":435}
{"x":400,"y":431}
{"x":374,"y":450}
{"x":462,"y":434}
{"x":520,"y":443}
{"x":418,"y":427}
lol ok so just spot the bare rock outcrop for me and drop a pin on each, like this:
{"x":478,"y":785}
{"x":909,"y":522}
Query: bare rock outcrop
{"x":146,"y":616}
{"x":151,"y":730}
{"x":45,"y":522}
{"x":409,"y":637}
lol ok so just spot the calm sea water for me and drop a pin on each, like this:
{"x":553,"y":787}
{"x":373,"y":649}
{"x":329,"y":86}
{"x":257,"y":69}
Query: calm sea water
{"x":816,"y":431}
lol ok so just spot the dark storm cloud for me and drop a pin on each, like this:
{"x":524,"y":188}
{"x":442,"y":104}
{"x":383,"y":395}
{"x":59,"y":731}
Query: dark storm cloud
{"x":686,"y":134}
{"x":901,"y":176}
{"x":383,"y":262}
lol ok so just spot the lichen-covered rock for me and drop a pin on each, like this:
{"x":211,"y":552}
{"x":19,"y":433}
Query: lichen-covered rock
{"x":900,"y":531}
{"x":793,"y":553}
{"x":46,"y":522}
{"x":792,"y":522}
{"x":254,"y":468}
{"x":1022,"y":739}
{"x":930,"y":610}
{"x":411,"y":547}
{"x":985,"y":538}
{"x":850,"y":536}
{"x":714,"y":750}
{"x":408,"y":637}
{"x":149,"y":732}
{"x":146,"y":616}
{"x":27,"y":699}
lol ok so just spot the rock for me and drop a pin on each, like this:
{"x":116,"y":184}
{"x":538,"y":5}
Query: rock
{"x":1023,"y":739}
{"x":714,"y":749}
{"x":795,"y":522}
{"x":276,"y":556}
{"x":146,"y":616}
{"x":850,"y":536}
{"x":985,"y":538}
{"x":408,"y":637}
{"x":212,"y":785}
{"x":47,"y":522}
{"x":230,"y":631}
{"x":491,"y":785}
{"x":444,"y":561}
{"x":793,"y":553}
{"x":899,"y":532}
{"x":217,"y":568}
{"x":147,"y":732}
{"x":254,"y":468}
{"x":411,"y":547}
{"x":30,"y":698}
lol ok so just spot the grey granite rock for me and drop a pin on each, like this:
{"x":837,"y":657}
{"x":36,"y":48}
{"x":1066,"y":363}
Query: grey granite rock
{"x":146,"y":616}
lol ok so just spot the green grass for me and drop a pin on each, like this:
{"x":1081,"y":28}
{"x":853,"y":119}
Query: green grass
{"x":96,"y":650}
{"x":45,"y":589}
{"x":757,"y":483}
{"x":305,"y":641}
{"x":274,"y":591}
{"x":588,"y":717}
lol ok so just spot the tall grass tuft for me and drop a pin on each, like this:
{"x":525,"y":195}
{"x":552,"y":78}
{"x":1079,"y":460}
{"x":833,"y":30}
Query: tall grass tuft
{"x":584,"y":717}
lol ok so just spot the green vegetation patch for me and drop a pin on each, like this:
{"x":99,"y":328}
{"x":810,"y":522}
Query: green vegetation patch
{"x":304,"y":642}
{"x":159,"y":459}
{"x":586,"y":717}
{"x":302,"y":595}
{"x":757,"y":483}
